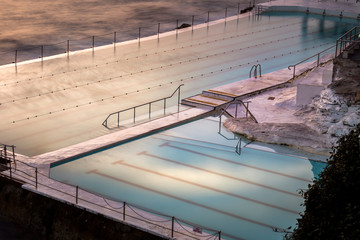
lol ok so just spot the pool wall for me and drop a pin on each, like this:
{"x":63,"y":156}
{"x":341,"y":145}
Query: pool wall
{"x":313,"y":10}
{"x":53,"y":218}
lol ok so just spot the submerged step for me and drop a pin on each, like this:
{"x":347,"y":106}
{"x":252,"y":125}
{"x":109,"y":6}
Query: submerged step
{"x":219,"y":94}
{"x":203,"y":100}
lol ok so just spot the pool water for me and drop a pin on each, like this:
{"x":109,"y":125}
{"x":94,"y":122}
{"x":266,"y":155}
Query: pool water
{"x":63,"y":101}
{"x":193,"y":173}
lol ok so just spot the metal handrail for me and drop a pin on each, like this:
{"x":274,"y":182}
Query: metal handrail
{"x":237,"y":102}
{"x":255,"y":67}
{"x":318,"y":60}
{"x":346,"y":39}
{"x":245,"y":106}
{"x":238,"y":147}
{"x":105,"y":122}
{"x":26,"y":177}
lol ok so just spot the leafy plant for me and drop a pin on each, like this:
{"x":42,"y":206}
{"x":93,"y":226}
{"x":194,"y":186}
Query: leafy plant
{"x":332,"y":203}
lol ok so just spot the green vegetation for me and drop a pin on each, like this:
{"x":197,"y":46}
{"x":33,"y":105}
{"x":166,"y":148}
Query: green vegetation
{"x":333,"y":202}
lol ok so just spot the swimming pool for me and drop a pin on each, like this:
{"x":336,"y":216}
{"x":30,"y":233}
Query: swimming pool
{"x":193,"y":173}
{"x":62,"y":101}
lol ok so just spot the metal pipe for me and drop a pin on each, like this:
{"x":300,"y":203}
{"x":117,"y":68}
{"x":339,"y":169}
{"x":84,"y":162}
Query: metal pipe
{"x":124,"y":207}
{"x":179,"y":99}
{"x":236,"y":110}
{"x":158,"y":31}
{"x":225,"y":14}
{"x":192,"y":23}
{"x":164,"y":106}
{"x":177,"y":27}
{"x":150,"y":110}
{"x":77,"y":194}
{"x":36,"y":178}
{"x":10,"y":170}
{"x":139,"y":34}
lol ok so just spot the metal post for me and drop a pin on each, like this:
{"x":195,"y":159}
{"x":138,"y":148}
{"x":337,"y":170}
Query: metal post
{"x":42,"y":52}
{"x":150,"y":110}
{"x":134,"y":115}
{"x":124,"y":207}
{"x":93,"y":42}
{"x":192,"y":22}
{"x":118,"y":119}
{"x":158,"y":31}
{"x":179,"y":99}
{"x":219,"y":235}
{"x":236,"y":110}
{"x":247,"y":109}
{"x":172,"y":227}
{"x":164,"y":106}
{"x":10,"y":170}
{"x":77,"y":194}
{"x":336,"y":49}
{"x":225,"y":14}
{"x":13,"y":153}
{"x":294,"y":73}
{"x":220,"y":123}
{"x":139,"y":34}
{"x":114,"y":38}
{"x":16,"y":56}
{"x":318,"y":59}
{"x":36,"y":178}
{"x":208,"y":18}
{"x":177,"y":27}
{"x":68,"y":47}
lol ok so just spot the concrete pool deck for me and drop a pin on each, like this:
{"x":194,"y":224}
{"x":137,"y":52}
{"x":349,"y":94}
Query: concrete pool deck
{"x":342,"y":8}
{"x":239,"y":89}
{"x":42,"y":162}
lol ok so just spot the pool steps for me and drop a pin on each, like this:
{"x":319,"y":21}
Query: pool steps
{"x":220,"y":96}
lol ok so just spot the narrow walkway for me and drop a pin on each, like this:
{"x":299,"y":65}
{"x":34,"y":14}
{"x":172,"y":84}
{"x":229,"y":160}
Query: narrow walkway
{"x":343,"y":8}
{"x":220,"y":96}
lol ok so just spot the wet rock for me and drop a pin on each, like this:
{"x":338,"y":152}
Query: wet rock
{"x":292,"y":134}
{"x":184,"y":25}
{"x":352,"y":119}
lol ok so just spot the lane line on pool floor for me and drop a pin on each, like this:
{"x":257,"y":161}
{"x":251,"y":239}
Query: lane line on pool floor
{"x":94,"y":171}
{"x":219,"y":174}
{"x":167,"y":144}
{"x":121,"y":162}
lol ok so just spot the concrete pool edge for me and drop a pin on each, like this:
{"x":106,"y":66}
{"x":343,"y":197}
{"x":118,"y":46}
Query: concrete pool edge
{"x":147,"y":128}
{"x":335,"y":9}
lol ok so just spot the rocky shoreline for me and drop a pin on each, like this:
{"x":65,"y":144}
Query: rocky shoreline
{"x":314,"y":127}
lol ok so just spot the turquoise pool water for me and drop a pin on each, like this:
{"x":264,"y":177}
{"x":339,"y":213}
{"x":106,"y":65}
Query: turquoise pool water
{"x":50,"y":105}
{"x":193,"y":173}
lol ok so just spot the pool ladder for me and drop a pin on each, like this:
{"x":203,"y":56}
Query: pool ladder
{"x":255,"y":67}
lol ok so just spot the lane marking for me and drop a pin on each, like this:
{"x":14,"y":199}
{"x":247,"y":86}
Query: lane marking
{"x":220,"y":174}
{"x":167,"y":144}
{"x":183,"y":200}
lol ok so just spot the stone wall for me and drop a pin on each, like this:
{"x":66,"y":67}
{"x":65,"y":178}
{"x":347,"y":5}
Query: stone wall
{"x":346,"y":77}
{"x":52,"y":219}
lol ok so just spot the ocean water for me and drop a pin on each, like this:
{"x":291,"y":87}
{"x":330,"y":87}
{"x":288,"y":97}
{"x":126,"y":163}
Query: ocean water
{"x":27,"y":25}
